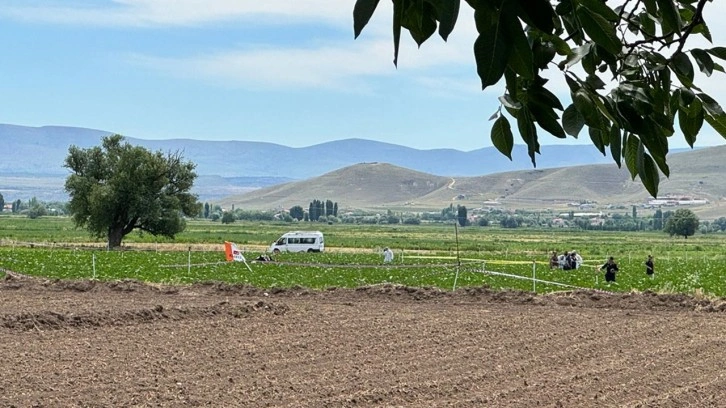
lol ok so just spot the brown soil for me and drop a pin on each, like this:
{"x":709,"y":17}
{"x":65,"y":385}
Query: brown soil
{"x":123,"y":344}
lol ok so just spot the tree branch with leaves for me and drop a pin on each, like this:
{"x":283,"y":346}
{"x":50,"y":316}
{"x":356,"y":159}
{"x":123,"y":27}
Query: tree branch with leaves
{"x":629,"y":70}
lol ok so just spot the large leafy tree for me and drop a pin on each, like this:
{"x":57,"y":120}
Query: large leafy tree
{"x":629,"y":66}
{"x":683,"y":222}
{"x":117,"y":187}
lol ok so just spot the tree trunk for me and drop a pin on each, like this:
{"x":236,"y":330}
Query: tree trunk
{"x":115,"y":235}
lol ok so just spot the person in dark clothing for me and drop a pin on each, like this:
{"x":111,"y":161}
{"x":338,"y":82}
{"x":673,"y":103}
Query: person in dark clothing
{"x":567,"y":265}
{"x":650,"y":267}
{"x":610,"y":268}
{"x":554,"y":262}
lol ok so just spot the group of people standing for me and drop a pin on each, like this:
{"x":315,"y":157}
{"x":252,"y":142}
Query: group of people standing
{"x":567,"y":261}
{"x":573,"y":260}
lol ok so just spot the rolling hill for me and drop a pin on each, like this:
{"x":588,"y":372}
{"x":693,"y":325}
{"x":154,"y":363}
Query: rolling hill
{"x":378,"y":186}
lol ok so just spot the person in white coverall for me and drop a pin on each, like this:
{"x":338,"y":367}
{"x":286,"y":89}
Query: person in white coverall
{"x":387,"y":255}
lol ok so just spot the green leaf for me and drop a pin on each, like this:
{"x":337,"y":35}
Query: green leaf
{"x":419,"y":19}
{"x":681,"y":65}
{"x":397,"y":18}
{"x":597,"y":135}
{"x":447,"y":12}
{"x":528,"y":132}
{"x":520,"y":59}
{"x":632,"y":147}
{"x":718,"y":123}
{"x":647,"y":25}
{"x":502,"y":137}
{"x":631,"y":120}
{"x":657,"y":144}
{"x":491,"y":53}
{"x":690,"y":120}
{"x":544,"y":96}
{"x":572,"y":121}
{"x":362,"y":12}
{"x":509,"y":102}
{"x":538,"y":13}
{"x":616,"y":144}
{"x":595,"y":82}
{"x":710,"y":105}
{"x":703,"y":29}
{"x":704,"y":60}
{"x":546,"y":119}
{"x":650,"y":7}
{"x":718,"y":52}
{"x":586,"y":107}
{"x":648,"y":173}
{"x":600,"y":30}
{"x":542,"y":54}
{"x":564,"y":7}
{"x":672,"y":22}
{"x":578,"y":54}
{"x":599,"y":7}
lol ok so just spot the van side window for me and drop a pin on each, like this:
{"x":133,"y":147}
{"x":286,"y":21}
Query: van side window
{"x":280,"y":241}
{"x":308,"y":240}
{"x":293,"y":240}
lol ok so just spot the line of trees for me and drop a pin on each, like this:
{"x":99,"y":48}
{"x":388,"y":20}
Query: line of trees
{"x":35,"y":208}
{"x":316,"y":210}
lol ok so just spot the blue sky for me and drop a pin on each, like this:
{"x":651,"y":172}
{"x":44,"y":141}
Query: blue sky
{"x":281,"y":71}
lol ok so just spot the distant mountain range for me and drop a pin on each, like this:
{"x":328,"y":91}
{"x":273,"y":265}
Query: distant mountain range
{"x":34,"y":167}
{"x":42,"y":150}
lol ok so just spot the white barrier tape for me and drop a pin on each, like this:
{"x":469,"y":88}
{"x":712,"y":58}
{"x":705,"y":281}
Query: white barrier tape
{"x":197,"y":264}
{"x":509,"y":275}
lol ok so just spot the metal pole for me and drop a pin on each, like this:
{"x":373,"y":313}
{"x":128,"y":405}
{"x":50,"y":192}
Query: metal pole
{"x":189,"y":262}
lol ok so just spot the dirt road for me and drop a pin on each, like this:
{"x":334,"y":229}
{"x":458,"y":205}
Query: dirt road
{"x":126,"y":344}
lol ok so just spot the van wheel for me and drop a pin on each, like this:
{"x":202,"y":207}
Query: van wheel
{"x":276,"y":251}
{"x":311,"y":250}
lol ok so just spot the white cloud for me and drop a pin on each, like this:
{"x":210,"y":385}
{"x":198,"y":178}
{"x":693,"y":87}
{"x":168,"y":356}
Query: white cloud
{"x":175,"y":12}
{"x":336,"y":65}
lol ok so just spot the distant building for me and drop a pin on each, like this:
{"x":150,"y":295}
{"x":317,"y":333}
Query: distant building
{"x":672,"y":201}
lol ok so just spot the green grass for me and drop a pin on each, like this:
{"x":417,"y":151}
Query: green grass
{"x":425,"y":256}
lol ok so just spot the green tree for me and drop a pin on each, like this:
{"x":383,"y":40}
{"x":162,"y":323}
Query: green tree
{"x":37,"y":210}
{"x":682,"y":222}
{"x":462,"y":216}
{"x":297,"y":212}
{"x":658,"y":219}
{"x":116,"y":188}
{"x":629,"y":67}
{"x":720,"y":223}
{"x":2,"y":203}
{"x":510,"y":222}
{"x":228,"y":217}
{"x":206,"y":210}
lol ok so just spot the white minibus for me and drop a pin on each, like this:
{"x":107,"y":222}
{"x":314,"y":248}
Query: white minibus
{"x":299,"y":241}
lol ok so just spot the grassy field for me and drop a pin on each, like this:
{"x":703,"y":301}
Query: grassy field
{"x":425,"y":256}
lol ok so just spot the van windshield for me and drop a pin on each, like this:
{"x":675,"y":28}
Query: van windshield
{"x":280,"y":241}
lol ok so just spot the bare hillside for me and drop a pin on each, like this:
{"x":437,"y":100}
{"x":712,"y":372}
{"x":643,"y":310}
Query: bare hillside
{"x":363,"y":185}
{"x":697,"y":174}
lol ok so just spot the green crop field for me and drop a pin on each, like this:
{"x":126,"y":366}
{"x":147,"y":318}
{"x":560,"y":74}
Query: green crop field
{"x":426,"y":255}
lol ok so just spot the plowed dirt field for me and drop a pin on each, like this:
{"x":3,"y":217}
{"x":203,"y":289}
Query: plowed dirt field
{"x":127,"y":344}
